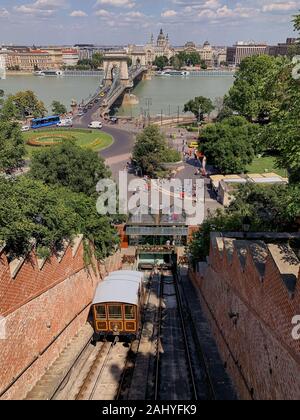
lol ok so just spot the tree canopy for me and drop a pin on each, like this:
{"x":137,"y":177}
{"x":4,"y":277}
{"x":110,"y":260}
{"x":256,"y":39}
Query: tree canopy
{"x":151,"y":150}
{"x":199,"y":107}
{"x":268,"y":209}
{"x":253,"y":94}
{"x":161,"y":62}
{"x":32,"y":213}
{"x":26,"y":104}
{"x":187,"y":59}
{"x":230,"y":144}
{"x":70,"y":166}
{"x":58,"y":108}
{"x":12,"y":148}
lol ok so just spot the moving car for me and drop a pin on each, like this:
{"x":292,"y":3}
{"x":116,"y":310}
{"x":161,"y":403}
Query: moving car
{"x":96,"y":125}
{"x":65,"y":123}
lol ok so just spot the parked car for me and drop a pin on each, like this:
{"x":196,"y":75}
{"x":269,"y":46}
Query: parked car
{"x":113,"y":120}
{"x":96,"y":125}
{"x":80,"y":114}
{"x":25,"y":128}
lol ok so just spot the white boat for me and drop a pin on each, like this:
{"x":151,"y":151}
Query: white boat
{"x":49,"y":73}
{"x":173,"y":73}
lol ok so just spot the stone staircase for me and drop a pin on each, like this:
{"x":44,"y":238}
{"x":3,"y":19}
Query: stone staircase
{"x":48,"y":384}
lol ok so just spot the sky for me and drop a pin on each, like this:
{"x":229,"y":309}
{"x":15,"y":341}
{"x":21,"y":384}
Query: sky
{"x":119,"y":22}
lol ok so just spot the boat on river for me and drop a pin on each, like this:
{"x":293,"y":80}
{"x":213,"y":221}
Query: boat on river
{"x":173,"y":73}
{"x":49,"y":73}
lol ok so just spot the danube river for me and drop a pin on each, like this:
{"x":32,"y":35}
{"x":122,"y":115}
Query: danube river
{"x":166,"y":95}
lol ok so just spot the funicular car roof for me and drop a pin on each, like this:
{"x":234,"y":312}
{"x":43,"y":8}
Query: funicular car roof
{"x":121,"y":288}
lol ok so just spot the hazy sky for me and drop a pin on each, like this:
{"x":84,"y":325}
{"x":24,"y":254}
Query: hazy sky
{"x":132,"y":21}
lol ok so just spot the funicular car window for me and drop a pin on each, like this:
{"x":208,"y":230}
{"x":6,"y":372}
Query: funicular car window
{"x":101,"y":312}
{"x":115,"y":311}
{"x":129,"y":312}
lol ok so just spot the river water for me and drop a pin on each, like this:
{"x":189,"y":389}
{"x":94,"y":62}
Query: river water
{"x":166,"y":95}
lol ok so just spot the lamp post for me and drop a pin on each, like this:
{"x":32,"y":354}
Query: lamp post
{"x":246,"y":225}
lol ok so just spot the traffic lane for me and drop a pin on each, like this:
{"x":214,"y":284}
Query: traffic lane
{"x":123,"y":144}
{"x":123,"y":140}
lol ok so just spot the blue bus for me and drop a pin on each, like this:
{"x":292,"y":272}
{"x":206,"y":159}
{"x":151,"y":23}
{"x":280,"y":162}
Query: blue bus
{"x":44,"y":122}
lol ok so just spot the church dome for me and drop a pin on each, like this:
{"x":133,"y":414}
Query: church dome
{"x":161,"y":36}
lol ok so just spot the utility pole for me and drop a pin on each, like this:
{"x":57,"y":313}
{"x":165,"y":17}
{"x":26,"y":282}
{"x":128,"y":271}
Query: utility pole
{"x":199,"y":120}
{"x":148,"y":105}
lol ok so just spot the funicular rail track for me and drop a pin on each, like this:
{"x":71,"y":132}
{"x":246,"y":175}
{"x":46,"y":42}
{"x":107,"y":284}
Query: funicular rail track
{"x":193,"y":353}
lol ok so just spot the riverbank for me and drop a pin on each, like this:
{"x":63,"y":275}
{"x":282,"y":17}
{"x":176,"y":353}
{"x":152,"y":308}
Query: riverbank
{"x":18,"y":73}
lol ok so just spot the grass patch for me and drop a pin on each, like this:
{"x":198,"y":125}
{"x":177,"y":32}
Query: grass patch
{"x":265,"y":164}
{"x":88,"y":139}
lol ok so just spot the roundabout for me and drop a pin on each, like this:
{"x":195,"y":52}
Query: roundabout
{"x":88,"y":139}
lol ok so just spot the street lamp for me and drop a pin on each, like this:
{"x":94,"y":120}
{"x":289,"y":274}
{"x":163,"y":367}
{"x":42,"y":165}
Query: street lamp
{"x":246,"y":225}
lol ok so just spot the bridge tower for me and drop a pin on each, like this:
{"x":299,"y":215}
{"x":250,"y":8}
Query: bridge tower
{"x":116,"y":61}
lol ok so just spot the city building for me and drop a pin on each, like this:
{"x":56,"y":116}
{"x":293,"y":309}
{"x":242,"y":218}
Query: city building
{"x":242,"y":50}
{"x":225,"y":186}
{"x":56,"y":55}
{"x":146,"y":54}
{"x":70,"y":57}
{"x":281,"y":49}
{"x":27,"y":60}
{"x":205,"y":51}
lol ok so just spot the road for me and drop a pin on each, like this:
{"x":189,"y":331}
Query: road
{"x":119,"y":152}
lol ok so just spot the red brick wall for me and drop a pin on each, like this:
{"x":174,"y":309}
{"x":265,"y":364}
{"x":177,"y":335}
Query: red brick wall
{"x":262,"y":358}
{"x":47,"y":306}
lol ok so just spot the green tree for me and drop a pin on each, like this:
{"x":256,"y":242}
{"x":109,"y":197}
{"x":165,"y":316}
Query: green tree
{"x":8,"y":110}
{"x":58,"y":108}
{"x":70,"y":166}
{"x":230,"y":144}
{"x":12,"y":148}
{"x":32,"y":212}
{"x":151,"y":150}
{"x":253,"y":93}
{"x":267,"y":208}
{"x":97,"y":60}
{"x":29,"y":210}
{"x":282,"y":134}
{"x":28,"y":105}
{"x":199,"y":107}
{"x":175,"y":62}
{"x":296,"y":22}
{"x":161,"y":62}
{"x":96,"y":228}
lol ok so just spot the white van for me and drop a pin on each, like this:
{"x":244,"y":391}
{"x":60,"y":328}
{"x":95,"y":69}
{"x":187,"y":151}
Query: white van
{"x":65,"y":123}
{"x":96,"y":124}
